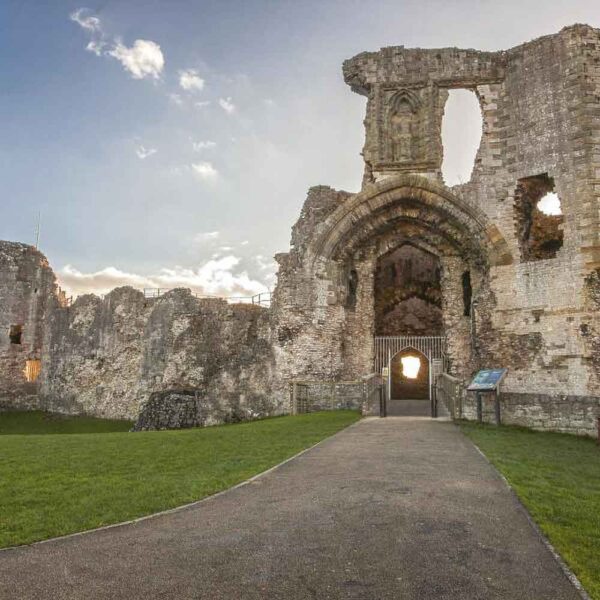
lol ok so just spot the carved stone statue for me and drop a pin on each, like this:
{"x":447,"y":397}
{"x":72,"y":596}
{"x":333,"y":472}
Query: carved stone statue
{"x":402,"y":121}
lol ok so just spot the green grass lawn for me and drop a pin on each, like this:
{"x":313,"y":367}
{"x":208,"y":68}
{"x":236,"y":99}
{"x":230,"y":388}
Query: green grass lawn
{"x":557,"y":476}
{"x":54,"y":484}
{"x":38,"y":422}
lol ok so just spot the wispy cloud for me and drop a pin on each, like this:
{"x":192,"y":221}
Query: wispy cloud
{"x":93,"y":26}
{"x":143,"y":59}
{"x":90,"y":23}
{"x":203,"y":145}
{"x":143,"y":152}
{"x":190,"y":81}
{"x":205,"y":170}
{"x":202,"y":104}
{"x":227,"y":105}
{"x":216,"y":277}
{"x":176,"y":99}
{"x":207,"y":236}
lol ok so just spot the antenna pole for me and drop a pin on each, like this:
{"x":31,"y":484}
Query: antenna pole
{"x":38,"y":229}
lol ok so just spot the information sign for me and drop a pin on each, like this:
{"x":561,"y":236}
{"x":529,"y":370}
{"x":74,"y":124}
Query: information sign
{"x":487,"y":380}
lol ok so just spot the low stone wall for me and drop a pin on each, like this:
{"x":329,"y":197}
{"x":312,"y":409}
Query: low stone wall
{"x":567,"y":414}
{"x":181,"y":409}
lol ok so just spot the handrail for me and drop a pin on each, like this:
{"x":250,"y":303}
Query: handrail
{"x":262,"y":299}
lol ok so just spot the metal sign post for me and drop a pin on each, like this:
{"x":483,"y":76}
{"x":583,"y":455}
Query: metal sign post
{"x":486,"y":381}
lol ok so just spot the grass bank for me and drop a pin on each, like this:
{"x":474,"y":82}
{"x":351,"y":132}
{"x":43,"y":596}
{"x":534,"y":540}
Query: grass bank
{"x":54,"y":484}
{"x":557,"y":476}
{"x":41,"y":423}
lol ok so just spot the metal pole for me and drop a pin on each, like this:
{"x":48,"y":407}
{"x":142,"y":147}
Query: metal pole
{"x":294,"y":398}
{"x":497,"y":407}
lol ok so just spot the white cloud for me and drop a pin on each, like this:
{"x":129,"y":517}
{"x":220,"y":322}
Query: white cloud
{"x":203,"y":145}
{"x":205,"y":170}
{"x":143,"y":152}
{"x":216,"y":277}
{"x":176,"y":99}
{"x":227,"y":105}
{"x":190,"y":81}
{"x":143,"y":59}
{"x":202,"y":104}
{"x":244,"y":243}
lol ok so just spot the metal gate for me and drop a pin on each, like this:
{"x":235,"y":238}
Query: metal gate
{"x":432,"y":347}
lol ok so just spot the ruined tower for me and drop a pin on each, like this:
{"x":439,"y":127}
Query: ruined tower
{"x":479,"y":263}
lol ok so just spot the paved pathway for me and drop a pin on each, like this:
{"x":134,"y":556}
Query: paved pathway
{"x":390,"y":508}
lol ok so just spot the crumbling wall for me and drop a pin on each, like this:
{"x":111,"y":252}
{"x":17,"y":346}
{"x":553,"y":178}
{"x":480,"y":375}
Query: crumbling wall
{"x":27,"y":290}
{"x":541,"y":130}
{"x":106,"y":357}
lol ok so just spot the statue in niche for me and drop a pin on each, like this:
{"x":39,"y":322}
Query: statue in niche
{"x":403,"y":109}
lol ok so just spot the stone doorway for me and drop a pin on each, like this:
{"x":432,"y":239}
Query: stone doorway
{"x":409,"y":376}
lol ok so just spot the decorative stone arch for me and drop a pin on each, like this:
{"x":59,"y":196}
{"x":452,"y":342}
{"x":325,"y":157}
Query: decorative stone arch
{"x":431,"y":208}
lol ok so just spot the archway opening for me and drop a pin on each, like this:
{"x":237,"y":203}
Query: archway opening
{"x":408,"y":297}
{"x":409,"y":374}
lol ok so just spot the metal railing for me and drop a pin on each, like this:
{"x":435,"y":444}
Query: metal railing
{"x":310,"y":396}
{"x":262,"y":299}
{"x":450,"y":390}
{"x":386,"y":347}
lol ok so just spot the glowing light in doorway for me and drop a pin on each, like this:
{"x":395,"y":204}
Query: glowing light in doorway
{"x":410,"y":366}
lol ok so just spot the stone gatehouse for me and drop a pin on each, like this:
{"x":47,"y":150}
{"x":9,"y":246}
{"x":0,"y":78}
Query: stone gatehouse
{"x":478,"y":264}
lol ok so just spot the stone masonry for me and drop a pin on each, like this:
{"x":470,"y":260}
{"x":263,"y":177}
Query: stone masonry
{"x":478,"y":263}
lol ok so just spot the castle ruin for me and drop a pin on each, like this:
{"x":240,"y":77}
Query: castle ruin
{"x":476,"y":268}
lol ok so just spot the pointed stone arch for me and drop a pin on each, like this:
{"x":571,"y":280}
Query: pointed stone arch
{"x":425,"y":209}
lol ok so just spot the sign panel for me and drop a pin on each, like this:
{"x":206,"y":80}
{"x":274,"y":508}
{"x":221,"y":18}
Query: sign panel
{"x":486,"y":380}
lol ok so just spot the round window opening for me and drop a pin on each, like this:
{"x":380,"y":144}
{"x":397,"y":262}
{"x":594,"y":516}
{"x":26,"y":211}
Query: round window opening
{"x":410,"y":366}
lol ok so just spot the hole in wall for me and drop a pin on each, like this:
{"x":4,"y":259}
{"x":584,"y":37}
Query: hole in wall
{"x":539,"y":218}
{"x":15,"y":334}
{"x":462,"y":127}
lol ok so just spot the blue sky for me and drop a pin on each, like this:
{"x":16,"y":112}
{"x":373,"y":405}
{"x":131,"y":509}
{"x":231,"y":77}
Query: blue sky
{"x":177,"y":148}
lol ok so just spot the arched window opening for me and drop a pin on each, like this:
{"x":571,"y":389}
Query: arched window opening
{"x":352,"y":289}
{"x":462,"y":127}
{"x":467,"y":293}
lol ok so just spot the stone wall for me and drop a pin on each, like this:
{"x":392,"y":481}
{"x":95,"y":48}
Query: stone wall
{"x":532,"y":308}
{"x":107,"y":356}
{"x":544,"y":412}
{"x":27,"y":290}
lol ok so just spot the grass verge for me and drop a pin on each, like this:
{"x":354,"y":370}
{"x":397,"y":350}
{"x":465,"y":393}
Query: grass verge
{"x":557,"y":477}
{"x":58,"y":484}
{"x":38,"y":422}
